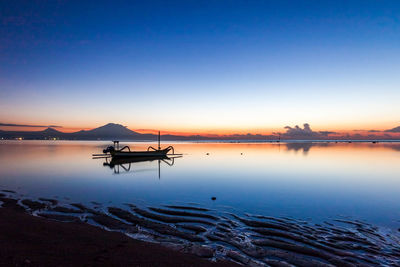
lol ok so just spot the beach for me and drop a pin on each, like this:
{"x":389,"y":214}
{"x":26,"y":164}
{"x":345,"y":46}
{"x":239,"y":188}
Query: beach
{"x":45,"y":232}
{"x":27,"y":240}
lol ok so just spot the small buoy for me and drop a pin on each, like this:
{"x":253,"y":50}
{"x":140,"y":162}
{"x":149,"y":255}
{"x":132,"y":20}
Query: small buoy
{"x":213,"y":198}
{"x":207,"y":154}
{"x":241,"y":153}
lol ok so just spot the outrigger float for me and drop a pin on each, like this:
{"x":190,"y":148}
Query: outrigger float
{"x":124,"y":153}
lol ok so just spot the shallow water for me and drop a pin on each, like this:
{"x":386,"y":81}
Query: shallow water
{"x":301,"y":180}
{"x":329,"y":203}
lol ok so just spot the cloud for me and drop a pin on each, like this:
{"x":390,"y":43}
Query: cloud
{"x":28,"y":125}
{"x":297,"y":132}
{"x":327,"y":132}
{"x":394,"y":130}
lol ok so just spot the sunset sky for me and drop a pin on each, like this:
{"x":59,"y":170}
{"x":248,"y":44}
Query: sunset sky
{"x":201,"y":66}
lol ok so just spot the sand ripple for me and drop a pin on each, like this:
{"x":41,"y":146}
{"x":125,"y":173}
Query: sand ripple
{"x":253,"y":240}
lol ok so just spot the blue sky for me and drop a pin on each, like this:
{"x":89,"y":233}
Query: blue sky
{"x":202,"y":66}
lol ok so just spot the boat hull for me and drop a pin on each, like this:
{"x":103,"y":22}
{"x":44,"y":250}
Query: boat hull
{"x":127,"y":160}
{"x":140,"y":154}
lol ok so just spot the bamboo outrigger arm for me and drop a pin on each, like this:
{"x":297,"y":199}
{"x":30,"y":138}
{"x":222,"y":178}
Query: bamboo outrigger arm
{"x":168,"y":148}
{"x":126,"y":147}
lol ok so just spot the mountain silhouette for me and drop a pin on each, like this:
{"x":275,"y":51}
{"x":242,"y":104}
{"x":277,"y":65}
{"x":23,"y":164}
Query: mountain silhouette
{"x":113,"y":131}
{"x":108,"y":131}
{"x":50,"y":131}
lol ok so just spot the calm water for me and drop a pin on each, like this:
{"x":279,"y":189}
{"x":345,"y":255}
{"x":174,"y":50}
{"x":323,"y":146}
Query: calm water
{"x":301,"y":180}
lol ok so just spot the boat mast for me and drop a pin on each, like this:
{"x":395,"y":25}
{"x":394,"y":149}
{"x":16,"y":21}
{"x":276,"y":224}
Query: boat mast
{"x":159,"y":148}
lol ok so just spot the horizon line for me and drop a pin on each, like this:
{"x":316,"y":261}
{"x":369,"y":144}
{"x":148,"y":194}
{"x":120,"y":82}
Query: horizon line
{"x":291,"y":133}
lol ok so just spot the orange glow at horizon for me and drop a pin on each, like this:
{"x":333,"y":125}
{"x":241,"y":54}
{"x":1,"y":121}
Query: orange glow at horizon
{"x":215,"y":132}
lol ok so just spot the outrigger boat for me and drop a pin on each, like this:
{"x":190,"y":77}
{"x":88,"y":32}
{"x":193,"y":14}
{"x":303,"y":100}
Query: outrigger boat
{"x":124,"y":157}
{"x":125,"y":152}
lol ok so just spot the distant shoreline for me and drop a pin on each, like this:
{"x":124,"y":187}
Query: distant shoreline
{"x":221,"y":140}
{"x":112,"y":131}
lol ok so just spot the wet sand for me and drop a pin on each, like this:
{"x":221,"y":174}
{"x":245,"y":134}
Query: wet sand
{"x":27,"y":240}
{"x":186,"y":235}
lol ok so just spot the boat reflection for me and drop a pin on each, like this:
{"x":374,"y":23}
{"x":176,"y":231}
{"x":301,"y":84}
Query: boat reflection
{"x":125,"y":165}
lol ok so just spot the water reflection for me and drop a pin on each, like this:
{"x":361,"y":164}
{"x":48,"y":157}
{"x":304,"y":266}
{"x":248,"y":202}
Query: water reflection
{"x":350,"y":179}
{"x":125,"y":164}
{"x":305,"y":147}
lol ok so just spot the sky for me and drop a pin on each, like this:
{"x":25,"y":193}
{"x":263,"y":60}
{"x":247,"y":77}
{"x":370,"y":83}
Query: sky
{"x":216,"y":67}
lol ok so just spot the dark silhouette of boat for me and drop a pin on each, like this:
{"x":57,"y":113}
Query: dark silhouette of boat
{"x":124,"y":157}
{"x":125,"y":152}
{"x":127,"y":160}
{"x":125,"y":163}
